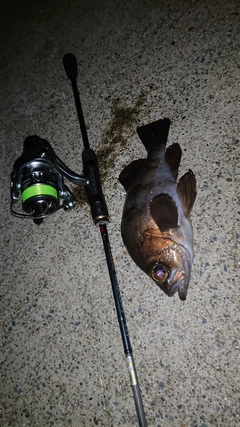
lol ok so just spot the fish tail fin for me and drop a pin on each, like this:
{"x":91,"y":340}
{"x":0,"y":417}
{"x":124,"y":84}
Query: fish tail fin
{"x":154,"y":134}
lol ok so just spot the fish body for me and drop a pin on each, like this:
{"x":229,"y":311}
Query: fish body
{"x":156,"y":227}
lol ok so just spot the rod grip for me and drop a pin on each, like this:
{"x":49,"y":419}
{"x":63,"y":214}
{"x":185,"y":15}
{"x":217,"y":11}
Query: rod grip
{"x":94,"y":190}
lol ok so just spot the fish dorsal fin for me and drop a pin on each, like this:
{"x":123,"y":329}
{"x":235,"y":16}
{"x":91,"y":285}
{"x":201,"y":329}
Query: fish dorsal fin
{"x":173,"y":156}
{"x":186,"y":189}
{"x":164,"y":212}
{"x":154,"y":134}
{"x":129,"y":173}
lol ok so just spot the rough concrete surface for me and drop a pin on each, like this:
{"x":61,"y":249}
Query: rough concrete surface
{"x":62,"y":359}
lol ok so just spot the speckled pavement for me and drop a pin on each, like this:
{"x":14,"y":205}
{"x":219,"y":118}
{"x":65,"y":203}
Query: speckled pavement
{"x":62,"y":359}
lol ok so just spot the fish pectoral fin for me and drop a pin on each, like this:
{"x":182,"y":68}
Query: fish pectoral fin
{"x":164,"y":212}
{"x":186,"y":189}
{"x":173,"y":156}
{"x":129,"y":173}
{"x":154,"y":134}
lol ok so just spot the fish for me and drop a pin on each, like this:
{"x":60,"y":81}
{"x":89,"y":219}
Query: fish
{"x":156,"y":227}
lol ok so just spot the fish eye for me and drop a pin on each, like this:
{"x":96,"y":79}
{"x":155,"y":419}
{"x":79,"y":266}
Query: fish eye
{"x":159,"y":273}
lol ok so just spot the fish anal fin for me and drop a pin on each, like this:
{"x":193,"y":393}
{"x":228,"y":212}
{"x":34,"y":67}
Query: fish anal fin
{"x":129,"y":173}
{"x":173,"y":156}
{"x":164,"y":212}
{"x":154,"y":134}
{"x":186,"y":189}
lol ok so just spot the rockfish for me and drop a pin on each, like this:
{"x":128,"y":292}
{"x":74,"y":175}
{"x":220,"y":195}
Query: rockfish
{"x":156,"y":227}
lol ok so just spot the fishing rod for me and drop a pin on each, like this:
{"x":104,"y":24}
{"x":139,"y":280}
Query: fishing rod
{"x":100,"y":217}
{"x":38,"y":189}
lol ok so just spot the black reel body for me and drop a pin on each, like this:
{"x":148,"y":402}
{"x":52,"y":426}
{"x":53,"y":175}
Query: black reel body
{"x":37,"y":181}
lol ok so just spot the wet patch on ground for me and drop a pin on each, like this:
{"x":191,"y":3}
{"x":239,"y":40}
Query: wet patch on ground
{"x":120,"y":127}
{"x":122,"y":124}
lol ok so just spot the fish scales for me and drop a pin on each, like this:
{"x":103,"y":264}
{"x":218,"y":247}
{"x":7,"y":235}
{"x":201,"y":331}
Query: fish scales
{"x":156,"y":226}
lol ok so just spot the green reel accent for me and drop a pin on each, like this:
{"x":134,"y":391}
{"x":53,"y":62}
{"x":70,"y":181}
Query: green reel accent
{"x":39,"y":190}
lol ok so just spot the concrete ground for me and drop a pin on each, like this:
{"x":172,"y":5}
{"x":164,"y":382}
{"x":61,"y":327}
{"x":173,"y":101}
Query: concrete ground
{"x":62,"y":359}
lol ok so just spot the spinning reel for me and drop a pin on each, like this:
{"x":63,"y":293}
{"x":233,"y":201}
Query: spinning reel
{"x":37,"y":182}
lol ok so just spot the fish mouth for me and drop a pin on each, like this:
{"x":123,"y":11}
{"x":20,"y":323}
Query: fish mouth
{"x":179,"y":282}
